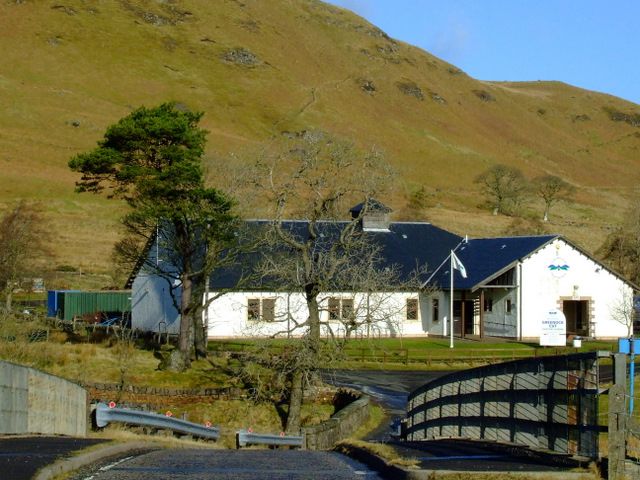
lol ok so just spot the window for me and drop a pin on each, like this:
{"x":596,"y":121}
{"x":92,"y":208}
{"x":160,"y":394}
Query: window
{"x":268,"y":309}
{"x":253,"y":309}
{"x":435,"y":309}
{"x":508,"y":306}
{"x":488,"y":304}
{"x":340,"y":308}
{"x":412,"y":309}
{"x":261,"y":309}
{"x":347,"y":308}
{"x":334,"y":308}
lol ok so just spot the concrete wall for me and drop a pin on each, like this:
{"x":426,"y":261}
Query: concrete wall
{"x":36,"y":402}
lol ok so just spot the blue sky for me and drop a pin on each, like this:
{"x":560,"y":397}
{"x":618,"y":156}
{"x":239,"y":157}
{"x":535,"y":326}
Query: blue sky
{"x":593,"y":44}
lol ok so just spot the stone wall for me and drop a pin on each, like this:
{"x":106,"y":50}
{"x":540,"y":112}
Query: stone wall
{"x":340,"y":426}
{"x":32,"y":401}
{"x":157,"y":398}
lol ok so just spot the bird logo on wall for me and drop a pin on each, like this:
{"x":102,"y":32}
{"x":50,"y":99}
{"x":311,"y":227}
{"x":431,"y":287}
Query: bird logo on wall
{"x":558,"y":267}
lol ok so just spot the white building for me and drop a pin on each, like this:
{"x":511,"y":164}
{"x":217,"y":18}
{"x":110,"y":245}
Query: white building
{"x":512,"y":283}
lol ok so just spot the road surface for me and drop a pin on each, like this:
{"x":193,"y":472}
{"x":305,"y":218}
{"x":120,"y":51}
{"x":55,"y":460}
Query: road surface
{"x":198,"y":464}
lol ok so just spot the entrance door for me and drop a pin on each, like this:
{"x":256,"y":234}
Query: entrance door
{"x":577,"y":315}
{"x":459,"y":320}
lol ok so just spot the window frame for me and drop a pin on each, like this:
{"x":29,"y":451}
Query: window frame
{"x":340,"y":308}
{"x":261,"y":309}
{"x":412,"y":309}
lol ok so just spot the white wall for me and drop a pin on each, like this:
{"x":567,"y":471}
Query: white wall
{"x":435,"y":326}
{"x":227,"y":316}
{"x":543,"y":289}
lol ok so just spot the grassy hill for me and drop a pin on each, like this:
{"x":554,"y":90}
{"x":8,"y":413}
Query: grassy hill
{"x":261,"y":69}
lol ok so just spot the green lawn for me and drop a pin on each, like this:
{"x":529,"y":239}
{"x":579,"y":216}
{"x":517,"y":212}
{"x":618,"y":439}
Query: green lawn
{"x":419,"y":353}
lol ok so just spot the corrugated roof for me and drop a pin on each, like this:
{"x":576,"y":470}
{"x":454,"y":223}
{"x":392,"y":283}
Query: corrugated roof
{"x":483,"y":258}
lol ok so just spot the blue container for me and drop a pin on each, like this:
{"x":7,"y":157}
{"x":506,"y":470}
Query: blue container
{"x":52,"y":303}
{"x":55,"y":303}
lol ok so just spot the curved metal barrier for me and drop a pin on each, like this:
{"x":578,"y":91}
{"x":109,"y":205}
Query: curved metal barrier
{"x":106,"y":415}
{"x":245,"y":438}
{"x":548,"y":403}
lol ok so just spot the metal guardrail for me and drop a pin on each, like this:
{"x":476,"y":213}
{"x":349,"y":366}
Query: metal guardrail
{"x":245,"y":438}
{"x":106,"y":415}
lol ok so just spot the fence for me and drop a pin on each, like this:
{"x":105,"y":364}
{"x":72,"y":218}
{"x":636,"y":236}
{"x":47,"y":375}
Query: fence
{"x":425,"y":356}
{"x":549,"y":403}
{"x":443,"y":356}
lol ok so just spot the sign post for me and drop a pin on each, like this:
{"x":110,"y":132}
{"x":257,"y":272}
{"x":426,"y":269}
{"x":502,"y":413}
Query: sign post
{"x":628,"y":347}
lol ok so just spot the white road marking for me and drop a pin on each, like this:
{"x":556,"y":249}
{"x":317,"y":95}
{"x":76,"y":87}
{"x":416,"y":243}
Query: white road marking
{"x":109,"y":467}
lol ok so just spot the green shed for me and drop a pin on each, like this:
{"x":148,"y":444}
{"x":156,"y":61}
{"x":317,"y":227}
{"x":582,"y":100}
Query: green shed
{"x":78,"y":303}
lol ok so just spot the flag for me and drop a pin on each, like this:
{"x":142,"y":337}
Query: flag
{"x":457,"y":265}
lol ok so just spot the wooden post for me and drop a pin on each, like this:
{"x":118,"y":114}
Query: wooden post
{"x":481,"y":313}
{"x":617,"y":418}
{"x":462,"y":316}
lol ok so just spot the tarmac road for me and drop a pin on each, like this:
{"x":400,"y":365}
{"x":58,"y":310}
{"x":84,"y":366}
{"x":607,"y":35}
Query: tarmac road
{"x":194,"y":464}
{"x":21,"y":457}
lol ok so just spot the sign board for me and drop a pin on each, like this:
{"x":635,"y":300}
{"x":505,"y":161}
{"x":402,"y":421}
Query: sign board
{"x":554,"y":329}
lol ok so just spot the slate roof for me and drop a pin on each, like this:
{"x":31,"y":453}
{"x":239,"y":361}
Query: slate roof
{"x":405,"y":245}
{"x":483,"y":258}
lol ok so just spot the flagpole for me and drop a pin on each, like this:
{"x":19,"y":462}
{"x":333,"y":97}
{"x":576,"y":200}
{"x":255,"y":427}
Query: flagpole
{"x":451,"y":300}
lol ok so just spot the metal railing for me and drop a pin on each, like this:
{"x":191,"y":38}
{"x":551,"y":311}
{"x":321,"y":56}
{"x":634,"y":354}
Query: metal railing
{"x":106,"y":414}
{"x":549,"y":403}
{"x":245,"y":438}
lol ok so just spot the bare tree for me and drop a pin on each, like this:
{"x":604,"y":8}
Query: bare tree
{"x":504,"y":187}
{"x":552,"y":189}
{"x":21,"y":234}
{"x":622,"y":310}
{"x":316,"y":179}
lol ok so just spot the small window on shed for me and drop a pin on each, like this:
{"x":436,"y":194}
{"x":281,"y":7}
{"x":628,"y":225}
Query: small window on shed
{"x":508,"y":306}
{"x":412,"y":309}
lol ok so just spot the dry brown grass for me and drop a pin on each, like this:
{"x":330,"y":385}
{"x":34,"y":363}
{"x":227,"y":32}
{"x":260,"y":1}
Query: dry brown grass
{"x":119,"y":362}
{"x":90,"y":64}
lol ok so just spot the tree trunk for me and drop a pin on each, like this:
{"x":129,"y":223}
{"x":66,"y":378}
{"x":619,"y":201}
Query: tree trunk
{"x":295,"y":403}
{"x":314,"y":318}
{"x":200,"y":334}
{"x":186,"y":319}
